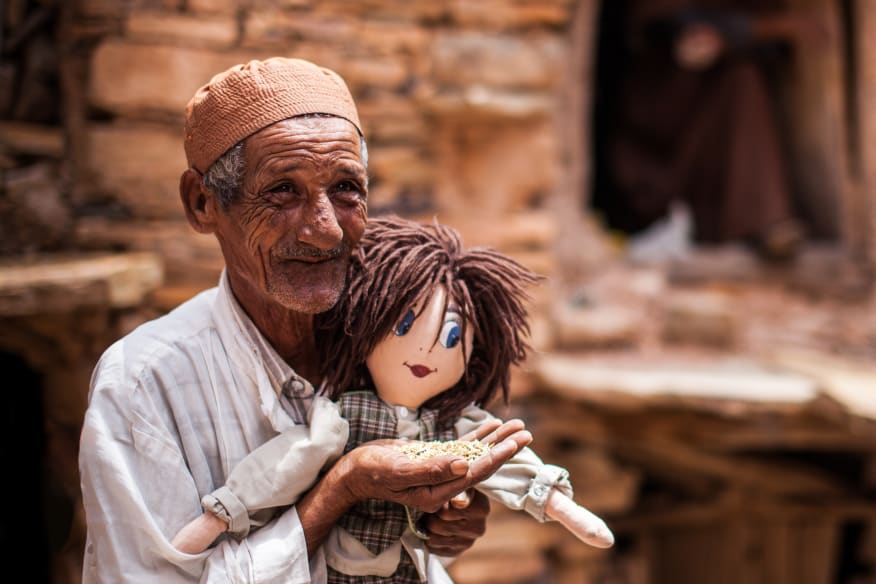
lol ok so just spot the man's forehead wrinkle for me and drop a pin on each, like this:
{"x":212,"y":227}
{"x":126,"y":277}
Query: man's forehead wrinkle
{"x":295,"y":151}
{"x":340,"y":163}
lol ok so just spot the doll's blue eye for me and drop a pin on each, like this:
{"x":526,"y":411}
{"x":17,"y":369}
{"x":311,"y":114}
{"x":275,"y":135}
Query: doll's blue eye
{"x":449,"y":336}
{"x":405,"y":325}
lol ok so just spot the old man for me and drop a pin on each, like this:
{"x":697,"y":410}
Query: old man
{"x":277,"y":173}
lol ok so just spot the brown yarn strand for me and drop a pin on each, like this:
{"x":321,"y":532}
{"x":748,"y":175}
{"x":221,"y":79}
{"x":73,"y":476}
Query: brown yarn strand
{"x":399,"y":260}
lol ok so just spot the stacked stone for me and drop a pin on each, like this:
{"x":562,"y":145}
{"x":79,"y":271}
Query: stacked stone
{"x":456,"y":100}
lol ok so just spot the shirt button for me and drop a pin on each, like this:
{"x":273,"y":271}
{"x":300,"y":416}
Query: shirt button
{"x":403,"y":412}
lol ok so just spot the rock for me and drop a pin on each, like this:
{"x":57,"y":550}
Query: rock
{"x":701,"y":317}
{"x":601,"y":325}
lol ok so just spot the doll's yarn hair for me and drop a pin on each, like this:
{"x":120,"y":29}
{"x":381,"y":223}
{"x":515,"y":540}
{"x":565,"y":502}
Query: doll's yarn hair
{"x":396,"y":262}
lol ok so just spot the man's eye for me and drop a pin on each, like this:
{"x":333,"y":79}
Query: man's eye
{"x":282,"y":188}
{"x":347,"y":191}
{"x":405,"y":324}
{"x":449,"y":336}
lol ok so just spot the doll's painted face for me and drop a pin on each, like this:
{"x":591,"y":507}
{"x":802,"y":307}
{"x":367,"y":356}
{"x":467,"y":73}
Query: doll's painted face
{"x":423,"y":356}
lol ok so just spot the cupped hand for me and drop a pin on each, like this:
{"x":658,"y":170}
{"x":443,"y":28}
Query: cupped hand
{"x":379,"y":470}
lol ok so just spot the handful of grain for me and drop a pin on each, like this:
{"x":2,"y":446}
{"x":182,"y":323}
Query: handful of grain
{"x":467,"y":449}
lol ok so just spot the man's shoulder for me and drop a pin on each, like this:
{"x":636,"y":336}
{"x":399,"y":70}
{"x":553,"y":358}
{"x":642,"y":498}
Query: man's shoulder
{"x":164,"y":342}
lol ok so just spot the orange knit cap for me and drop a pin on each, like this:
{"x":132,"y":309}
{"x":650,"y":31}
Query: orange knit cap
{"x":246,"y":98}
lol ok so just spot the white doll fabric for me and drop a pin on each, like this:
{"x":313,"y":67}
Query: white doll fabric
{"x":278,"y":472}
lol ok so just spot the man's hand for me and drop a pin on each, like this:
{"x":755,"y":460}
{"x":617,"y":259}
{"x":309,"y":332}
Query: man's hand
{"x":462,"y":520}
{"x":378,"y":470}
{"x":458,"y":524}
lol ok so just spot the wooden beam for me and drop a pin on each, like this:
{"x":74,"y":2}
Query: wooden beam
{"x":673,"y":460}
{"x":32,"y":139}
{"x":62,"y":284}
{"x":731,"y":390}
{"x":809,"y":439}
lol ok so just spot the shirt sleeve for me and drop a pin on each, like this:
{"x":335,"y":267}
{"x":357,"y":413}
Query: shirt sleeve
{"x":522,"y":483}
{"x":138,"y":492}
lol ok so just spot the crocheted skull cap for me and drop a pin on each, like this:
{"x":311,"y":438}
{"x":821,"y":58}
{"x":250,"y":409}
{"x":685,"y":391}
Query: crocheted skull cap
{"x":248,"y":97}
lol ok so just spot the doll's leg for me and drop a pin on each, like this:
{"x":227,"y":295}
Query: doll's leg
{"x":199,"y":534}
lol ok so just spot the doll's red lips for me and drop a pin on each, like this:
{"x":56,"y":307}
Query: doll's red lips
{"x":419,"y":370}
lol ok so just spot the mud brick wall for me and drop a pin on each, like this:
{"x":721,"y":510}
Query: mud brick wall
{"x":459,"y":102}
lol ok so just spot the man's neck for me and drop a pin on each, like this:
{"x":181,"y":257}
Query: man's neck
{"x":290,"y":333}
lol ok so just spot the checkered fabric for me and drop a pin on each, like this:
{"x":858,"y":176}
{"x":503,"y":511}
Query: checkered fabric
{"x":379,"y":524}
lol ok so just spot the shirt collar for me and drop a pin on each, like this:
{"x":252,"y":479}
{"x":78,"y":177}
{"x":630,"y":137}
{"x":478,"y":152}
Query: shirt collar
{"x":236,"y":327}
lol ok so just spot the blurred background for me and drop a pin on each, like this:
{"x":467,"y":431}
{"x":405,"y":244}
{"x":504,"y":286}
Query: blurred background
{"x":695,"y":179}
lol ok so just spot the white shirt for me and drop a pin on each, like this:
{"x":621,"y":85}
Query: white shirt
{"x":173,"y":407}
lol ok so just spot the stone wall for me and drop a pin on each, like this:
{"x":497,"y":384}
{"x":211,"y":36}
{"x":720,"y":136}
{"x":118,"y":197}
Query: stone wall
{"x":459,"y":102}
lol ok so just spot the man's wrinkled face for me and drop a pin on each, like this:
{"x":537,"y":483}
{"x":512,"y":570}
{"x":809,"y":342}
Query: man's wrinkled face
{"x":289,"y":236}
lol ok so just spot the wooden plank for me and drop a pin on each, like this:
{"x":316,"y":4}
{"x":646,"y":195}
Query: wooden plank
{"x":56,"y":284}
{"x":790,"y":438}
{"x":849,"y":382}
{"x":39,"y":140}
{"x":815,"y":543}
{"x":815,"y":112}
{"x":732,"y":387}
{"x":776,"y":550}
{"x":675,"y":461}
{"x":191,"y":259}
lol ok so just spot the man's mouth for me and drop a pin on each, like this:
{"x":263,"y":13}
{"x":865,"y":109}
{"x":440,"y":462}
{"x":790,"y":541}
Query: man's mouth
{"x":419,"y":370}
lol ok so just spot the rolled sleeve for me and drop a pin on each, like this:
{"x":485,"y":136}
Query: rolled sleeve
{"x":522,"y":483}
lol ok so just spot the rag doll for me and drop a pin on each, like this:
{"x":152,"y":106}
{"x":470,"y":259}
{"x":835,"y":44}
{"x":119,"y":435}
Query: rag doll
{"x":423,"y":338}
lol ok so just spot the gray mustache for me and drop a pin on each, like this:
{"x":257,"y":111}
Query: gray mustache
{"x":298,"y":251}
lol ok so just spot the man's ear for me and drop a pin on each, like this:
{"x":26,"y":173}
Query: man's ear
{"x":198,"y":202}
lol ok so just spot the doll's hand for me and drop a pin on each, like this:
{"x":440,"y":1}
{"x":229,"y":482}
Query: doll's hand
{"x":378,"y":470}
{"x":458,"y":524}
{"x":579,"y":520}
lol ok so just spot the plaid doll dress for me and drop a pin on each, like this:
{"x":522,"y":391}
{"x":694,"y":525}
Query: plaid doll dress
{"x":378,"y":524}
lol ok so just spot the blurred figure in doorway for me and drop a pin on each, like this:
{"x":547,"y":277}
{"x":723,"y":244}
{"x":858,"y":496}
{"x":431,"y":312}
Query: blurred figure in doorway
{"x":686,"y":113}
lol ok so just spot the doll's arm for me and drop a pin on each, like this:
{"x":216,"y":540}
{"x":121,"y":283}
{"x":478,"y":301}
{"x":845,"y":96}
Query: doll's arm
{"x":526,"y":483}
{"x":275,"y":474}
{"x":580,"y":521}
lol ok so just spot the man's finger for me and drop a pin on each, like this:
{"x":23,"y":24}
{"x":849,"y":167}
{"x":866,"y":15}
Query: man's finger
{"x":482,"y":431}
{"x":461,"y":501}
{"x":486,"y":465}
{"x":432,"y":471}
{"x":503,"y":431}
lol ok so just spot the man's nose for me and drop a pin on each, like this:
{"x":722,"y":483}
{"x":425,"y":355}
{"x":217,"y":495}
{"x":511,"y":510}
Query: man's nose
{"x":320,"y":226}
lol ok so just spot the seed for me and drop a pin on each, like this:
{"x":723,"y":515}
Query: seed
{"x":467,"y":449}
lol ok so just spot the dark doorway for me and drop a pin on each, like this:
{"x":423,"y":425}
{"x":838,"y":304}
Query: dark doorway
{"x":23,"y":526}
{"x":743,"y":143}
